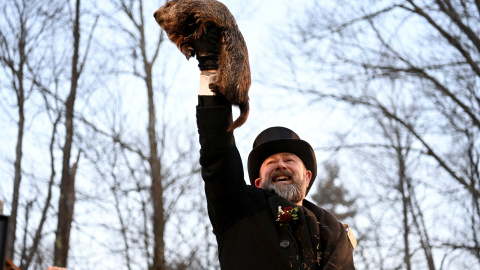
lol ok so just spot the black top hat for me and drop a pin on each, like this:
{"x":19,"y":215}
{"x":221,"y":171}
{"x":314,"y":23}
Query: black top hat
{"x":278,"y":140}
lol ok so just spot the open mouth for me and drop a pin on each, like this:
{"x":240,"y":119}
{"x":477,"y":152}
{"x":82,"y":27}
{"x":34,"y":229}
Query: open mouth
{"x":281,"y":179}
{"x":281,"y":176}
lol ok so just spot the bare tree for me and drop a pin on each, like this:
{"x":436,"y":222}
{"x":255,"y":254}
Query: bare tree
{"x":431,"y":50}
{"x":28,"y":254}
{"x":134,"y":11}
{"x":126,"y":171}
{"x":400,"y":143}
{"x":67,"y":184}
{"x":147,"y":173}
{"x":26,"y":23}
{"x":147,"y":183}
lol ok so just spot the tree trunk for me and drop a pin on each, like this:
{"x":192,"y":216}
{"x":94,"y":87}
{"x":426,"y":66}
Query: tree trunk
{"x":157,"y":185}
{"x":16,"y":182}
{"x":20,"y":91}
{"x":67,"y":185}
{"x":159,"y":221}
{"x":404,"y":194}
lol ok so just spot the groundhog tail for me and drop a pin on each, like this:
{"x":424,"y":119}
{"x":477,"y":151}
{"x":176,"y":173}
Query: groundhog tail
{"x":242,"y":118}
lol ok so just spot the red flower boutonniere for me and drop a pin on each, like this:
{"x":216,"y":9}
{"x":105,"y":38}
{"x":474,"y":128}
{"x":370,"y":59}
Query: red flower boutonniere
{"x":286,"y":215}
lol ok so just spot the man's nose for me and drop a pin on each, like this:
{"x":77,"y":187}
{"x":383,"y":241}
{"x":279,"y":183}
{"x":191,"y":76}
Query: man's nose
{"x":281,"y":165}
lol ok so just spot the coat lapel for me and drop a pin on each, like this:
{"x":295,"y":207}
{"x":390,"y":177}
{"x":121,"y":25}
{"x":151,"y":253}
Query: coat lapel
{"x":314,"y":227}
{"x":305,"y":231}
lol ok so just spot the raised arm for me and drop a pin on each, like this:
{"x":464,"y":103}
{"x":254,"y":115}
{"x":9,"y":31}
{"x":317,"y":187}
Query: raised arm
{"x":222,"y":168}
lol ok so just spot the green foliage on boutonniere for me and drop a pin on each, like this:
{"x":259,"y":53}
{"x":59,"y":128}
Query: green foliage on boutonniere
{"x":287,"y":215}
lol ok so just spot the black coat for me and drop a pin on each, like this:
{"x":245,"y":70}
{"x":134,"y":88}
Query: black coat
{"x":244,"y":217}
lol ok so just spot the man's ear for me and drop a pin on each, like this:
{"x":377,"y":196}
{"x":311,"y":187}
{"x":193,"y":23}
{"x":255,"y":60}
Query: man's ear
{"x":257,"y":182}
{"x":309,"y":176}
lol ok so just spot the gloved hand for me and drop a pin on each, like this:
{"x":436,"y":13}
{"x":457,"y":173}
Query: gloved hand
{"x":206,"y":49}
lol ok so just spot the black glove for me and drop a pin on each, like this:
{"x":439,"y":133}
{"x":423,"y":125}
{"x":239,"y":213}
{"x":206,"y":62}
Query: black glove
{"x":206,"y":49}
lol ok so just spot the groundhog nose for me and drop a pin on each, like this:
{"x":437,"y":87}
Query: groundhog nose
{"x":155,"y":14}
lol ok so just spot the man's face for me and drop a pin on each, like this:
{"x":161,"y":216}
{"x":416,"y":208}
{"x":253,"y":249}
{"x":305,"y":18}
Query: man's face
{"x":285,"y":174}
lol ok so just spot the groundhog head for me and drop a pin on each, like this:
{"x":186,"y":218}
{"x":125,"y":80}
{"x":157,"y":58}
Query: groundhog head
{"x":179,"y":21}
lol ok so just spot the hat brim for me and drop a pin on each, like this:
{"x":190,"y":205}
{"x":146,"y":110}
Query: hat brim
{"x":300,"y":148}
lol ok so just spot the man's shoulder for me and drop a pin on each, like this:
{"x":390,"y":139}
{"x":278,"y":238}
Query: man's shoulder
{"x":322,"y":215}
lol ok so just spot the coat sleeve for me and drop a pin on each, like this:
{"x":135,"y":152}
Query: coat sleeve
{"x":341,"y":256}
{"x":339,"y":249}
{"x":222,"y":169}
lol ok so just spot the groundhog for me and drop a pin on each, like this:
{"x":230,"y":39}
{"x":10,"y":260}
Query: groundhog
{"x":183,"y":20}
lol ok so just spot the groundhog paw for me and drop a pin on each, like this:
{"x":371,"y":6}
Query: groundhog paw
{"x":188,"y":51}
{"x":214,"y":88}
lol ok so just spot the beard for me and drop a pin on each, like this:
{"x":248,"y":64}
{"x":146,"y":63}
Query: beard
{"x":293,"y":192}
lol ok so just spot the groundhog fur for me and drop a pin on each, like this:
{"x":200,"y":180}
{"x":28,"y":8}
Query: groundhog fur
{"x":183,"y":20}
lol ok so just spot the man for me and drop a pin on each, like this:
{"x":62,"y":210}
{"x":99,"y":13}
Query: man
{"x":269,"y":224}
